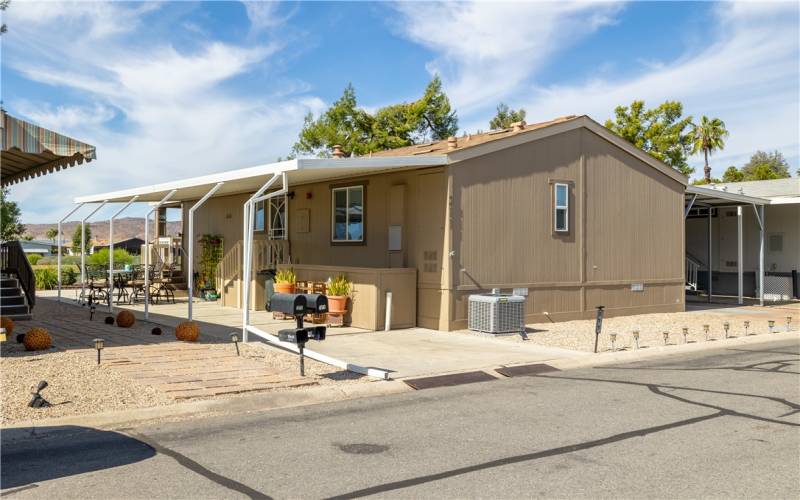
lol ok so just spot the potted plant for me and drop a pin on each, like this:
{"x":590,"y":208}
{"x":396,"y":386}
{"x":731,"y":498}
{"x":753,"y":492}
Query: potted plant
{"x":338,"y":289}
{"x":285,"y":280}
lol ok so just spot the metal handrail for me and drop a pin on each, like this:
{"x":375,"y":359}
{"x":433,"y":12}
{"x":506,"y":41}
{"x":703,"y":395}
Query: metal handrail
{"x":13,"y":260}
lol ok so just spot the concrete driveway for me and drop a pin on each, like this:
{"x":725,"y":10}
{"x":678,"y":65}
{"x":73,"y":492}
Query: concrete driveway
{"x":418,"y":351}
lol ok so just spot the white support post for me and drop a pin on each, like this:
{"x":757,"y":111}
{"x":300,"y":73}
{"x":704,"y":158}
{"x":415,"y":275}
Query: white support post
{"x":740,"y":255}
{"x":83,"y":249}
{"x":111,"y":252}
{"x":190,"y":265}
{"x":147,"y":252}
{"x":248,"y":211}
{"x":763,"y":224}
{"x":709,"y":255}
{"x":58,"y":258}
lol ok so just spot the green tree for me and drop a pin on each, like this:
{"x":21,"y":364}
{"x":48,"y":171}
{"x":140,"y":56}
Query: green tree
{"x":662,"y":132}
{"x":359,"y":132}
{"x":763,"y":165}
{"x":76,"y":239}
{"x":708,"y":136}
{"x":11,"y":226}
{"x":52,"y":234}
{"x":732,"y":174}
{"x":3,"y":7}
{"x":505,"y":117}
{"x":100,"y":257}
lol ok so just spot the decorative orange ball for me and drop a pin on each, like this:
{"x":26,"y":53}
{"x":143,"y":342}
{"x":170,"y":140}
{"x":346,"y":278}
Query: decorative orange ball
{"x":8,"y":324}
{"x":188,"y":331}
{"x":37,"y":339}
{"x":125,"y":319}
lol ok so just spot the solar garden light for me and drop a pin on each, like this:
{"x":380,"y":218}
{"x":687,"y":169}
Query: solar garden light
{"x":235,"y":340}
{"x":636,"y":338}
{"x":91,"y":308}
{"x":746,"y":326}
{"x":38,"y":401}
{"x":788,"y":321}
{"x":99,"y":344}
{"x":771,"y":325}
{"x":613,"y":341}
{"x":705,"y":329}
{"x":666,"y":338}
{"x":726,"y":326}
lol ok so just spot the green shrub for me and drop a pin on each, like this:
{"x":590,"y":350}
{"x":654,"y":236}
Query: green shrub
{"x":100,"y":258}
{"x":34,"y":258}
{"x":69,"y":276}
{"x":46,"y":278}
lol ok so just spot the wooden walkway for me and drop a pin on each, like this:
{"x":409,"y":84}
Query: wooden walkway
{"x":180,"y":370}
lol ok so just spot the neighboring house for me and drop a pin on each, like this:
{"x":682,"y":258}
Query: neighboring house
{"x":781,"y":242}
{"x":131,"y":245}
{"x":565,"y":209}
{"x":43,"y":248}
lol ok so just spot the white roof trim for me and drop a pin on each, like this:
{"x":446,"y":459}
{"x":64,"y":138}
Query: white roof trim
{"x":366,"y":163}
{"x":784,"y":200}
{"x":725,"y":195}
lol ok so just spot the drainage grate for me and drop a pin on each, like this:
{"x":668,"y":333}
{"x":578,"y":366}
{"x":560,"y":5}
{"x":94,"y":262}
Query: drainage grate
{"x":448,"y":380}
{"x":522,"y":370}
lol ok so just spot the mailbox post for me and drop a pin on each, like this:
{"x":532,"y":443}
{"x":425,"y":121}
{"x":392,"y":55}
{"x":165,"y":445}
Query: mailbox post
{"x":298,"y":305}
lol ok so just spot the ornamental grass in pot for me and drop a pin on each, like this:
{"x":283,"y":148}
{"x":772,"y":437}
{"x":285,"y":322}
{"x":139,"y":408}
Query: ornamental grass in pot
{"x":338,"y":289}
{"x":285,"y":281}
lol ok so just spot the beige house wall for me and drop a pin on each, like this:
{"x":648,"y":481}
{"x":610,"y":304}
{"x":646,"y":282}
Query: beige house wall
{"x":625,"y":227}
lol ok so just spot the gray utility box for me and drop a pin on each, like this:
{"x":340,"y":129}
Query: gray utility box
{"x":495,"y":313}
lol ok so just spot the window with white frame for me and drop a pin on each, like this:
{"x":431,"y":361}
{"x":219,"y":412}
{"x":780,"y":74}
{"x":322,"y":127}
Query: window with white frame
{"x":347,"y":222}
{"x":277,"y":218}
{"x":561,"y":212}
{"x":258,"y":219}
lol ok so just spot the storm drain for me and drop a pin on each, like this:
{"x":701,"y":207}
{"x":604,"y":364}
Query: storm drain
{"x":448,"y":380}
{"x":523,"y":370}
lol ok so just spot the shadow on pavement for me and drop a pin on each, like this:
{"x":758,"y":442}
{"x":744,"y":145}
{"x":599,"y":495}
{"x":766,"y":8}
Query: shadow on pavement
{"x":31,"y":455}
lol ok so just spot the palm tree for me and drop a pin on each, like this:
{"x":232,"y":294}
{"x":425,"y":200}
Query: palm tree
{"x":708,"y":137}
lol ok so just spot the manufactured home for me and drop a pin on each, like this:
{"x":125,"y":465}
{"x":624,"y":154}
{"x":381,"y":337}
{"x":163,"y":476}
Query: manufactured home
{"x":565,"y":211}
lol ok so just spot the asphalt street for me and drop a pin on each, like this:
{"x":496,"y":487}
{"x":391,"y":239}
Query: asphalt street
{"x":723,"y":423}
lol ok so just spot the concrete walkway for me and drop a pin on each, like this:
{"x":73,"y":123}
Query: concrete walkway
{"x":404,"y":353}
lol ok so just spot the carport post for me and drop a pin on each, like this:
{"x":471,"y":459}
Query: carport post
{"x":190,"y":270}
{"x":83,"y":249}
{"x":740,"y":256}
{"x":58,"y":259}
{"x":762,"y":222}
{"x":147,"y":252}
{"x":249,"y":219}
{"x":111,"y":252}
{"x":709,"y":254}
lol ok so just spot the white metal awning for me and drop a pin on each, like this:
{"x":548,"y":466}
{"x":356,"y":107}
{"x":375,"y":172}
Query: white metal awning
{"x":713,"y":197}
{"x":247,"y":180}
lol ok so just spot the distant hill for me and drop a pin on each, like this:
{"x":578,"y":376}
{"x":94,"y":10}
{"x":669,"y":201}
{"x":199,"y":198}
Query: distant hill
{"x":124,"y":228}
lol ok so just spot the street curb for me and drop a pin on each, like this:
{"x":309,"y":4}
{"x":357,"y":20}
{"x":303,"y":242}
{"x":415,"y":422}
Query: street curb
{"x":251,"y":403}
{"x":608,"y":358}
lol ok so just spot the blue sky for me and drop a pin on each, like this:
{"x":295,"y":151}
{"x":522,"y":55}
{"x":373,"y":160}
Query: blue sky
{"x":179,"y":89}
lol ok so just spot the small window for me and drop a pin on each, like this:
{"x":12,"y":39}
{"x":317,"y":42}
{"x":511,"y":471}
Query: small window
{"x":348,"y":214}
{"x":258,"y":223}
{"x":561,"y":212}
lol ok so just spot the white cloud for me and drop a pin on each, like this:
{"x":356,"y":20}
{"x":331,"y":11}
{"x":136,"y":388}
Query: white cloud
{"x":174,"y":114}
{"x":264,"y":14}
{"x":487,"y":50}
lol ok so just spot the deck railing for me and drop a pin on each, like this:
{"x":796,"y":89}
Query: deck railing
{"x":267,"y":254}
{"x":14,"y":261}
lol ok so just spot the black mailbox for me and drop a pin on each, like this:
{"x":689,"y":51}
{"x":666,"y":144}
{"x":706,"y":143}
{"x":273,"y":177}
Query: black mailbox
{"x":288,"y":303}
{"x":316,"y":303}
{"x":295,"y":336}
{"x":316,"y":332}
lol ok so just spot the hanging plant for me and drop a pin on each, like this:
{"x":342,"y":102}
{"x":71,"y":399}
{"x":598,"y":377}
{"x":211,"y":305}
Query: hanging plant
{"x":209,"y":258}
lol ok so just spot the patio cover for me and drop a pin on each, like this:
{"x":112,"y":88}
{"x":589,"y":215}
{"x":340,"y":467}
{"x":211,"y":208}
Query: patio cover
{"x":31,"y":151}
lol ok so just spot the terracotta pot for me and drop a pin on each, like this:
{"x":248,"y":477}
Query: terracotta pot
{"x":337,"y":304}
{"x":284,"y":287}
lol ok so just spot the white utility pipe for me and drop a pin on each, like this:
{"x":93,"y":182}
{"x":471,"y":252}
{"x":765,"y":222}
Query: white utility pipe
{"x":147,"y":252}
{"x":59,"y":246}
{"x":248,"y":212}
{"x":190,"y":265}
{"x":388,"y":323}
{"x":111,"y":252}
{"x":83,"y":250}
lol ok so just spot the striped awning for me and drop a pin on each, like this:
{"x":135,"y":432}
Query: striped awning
{"x":31,"y":151}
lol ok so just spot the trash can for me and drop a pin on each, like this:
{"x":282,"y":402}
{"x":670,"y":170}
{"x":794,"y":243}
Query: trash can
{"x":269,"y":285}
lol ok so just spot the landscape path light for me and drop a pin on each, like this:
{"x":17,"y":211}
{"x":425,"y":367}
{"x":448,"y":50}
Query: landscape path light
{"x":726,"y":326}
{"x":636,"y":338}
{"x":235,"y":340}
{"x":666,"y":338}
{"x":746,"y":326}
{"x":705,"y":329}
{"x":788,"y":322}
{"x":685,"y":335}
{"x":38,"y":401}
{"x":99,"y":344}
{"x":771,"y":324}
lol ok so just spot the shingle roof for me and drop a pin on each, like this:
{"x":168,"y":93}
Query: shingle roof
{"x":469,"y":140}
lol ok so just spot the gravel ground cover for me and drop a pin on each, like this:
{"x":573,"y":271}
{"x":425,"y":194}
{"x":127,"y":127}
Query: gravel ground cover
{"x":580,"y":335}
